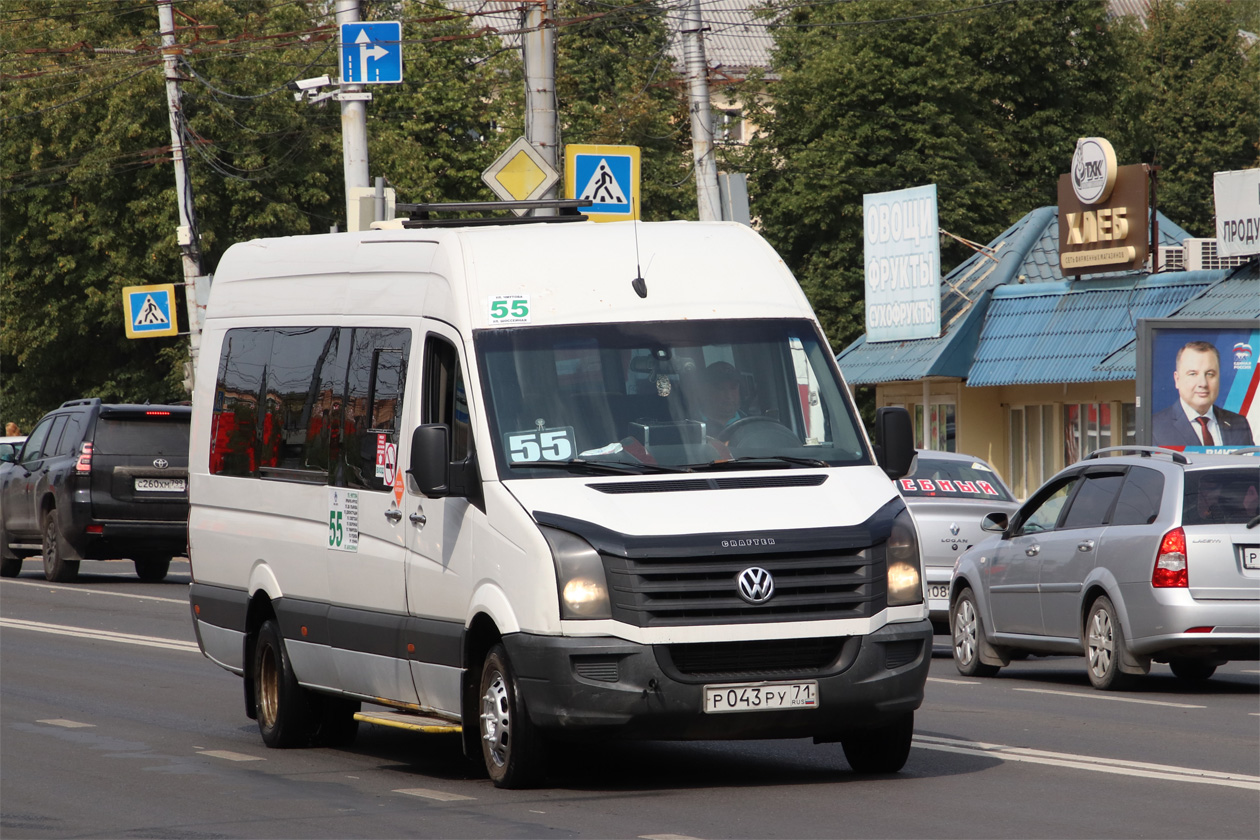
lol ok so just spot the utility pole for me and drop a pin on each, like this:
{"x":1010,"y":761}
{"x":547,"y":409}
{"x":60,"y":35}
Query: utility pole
{"x":354,"y":147}
{"x":187,"y":235}
{"x":708,"y":199}
{"x":539,"y":47}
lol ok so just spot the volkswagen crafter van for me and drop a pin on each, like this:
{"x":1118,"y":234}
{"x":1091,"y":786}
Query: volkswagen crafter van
{"x":480,"y":479}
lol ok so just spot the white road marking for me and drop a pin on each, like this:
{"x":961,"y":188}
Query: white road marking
{"x":100,"y":635}
{"x":68,"y":724}
{"x":1112,"y":698}
{"x":228,"y":755}
{"x":79,"y":590}
{"x":667,"y":837}
{"x":1116,"y":766}
{"x":953,"y":682}
{"x":439,"y":795}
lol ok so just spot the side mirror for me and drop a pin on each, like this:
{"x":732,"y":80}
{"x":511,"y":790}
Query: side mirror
{"x":995,"y":522}
{"x":431,"y":459}
{"x":894,"y":441}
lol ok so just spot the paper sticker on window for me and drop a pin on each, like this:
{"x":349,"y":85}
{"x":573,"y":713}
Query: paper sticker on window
{"x":539,"y":445}
{"x":509,"y":309}
{"x":943,"y":485}
{"x":343,"y":519}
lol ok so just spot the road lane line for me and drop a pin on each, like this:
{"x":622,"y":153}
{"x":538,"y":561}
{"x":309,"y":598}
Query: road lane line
{"x":228,"y":755}
{"x":66,"y":724}
{"x":78,"y":590}
{"x":1118,"y":767}
{"x":439,"y":795}
{"x":99,"y":635}
{"x":953,"y":682}
{"x":1100,"y":696}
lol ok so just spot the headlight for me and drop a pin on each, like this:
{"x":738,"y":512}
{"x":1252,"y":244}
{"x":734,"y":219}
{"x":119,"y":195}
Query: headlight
{"x":905,"y":584}
{"x":580,"y":574}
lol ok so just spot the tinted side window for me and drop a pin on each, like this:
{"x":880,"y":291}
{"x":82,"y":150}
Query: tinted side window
{"x":304,"y":388}
{"x":72,"y":435}
{"x":235,"y":424}
{"x":1093,"y":501}
{"x":445,"y":400}
{"x":375,"y":378}
{"x":52,"y":446}
{"x":1045,"y":513}
{"x":1139,"y":497}
{"x":34,"y":446}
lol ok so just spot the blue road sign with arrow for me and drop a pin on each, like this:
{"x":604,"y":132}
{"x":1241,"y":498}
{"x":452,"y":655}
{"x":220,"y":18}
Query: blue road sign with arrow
{"x":371,"y":53}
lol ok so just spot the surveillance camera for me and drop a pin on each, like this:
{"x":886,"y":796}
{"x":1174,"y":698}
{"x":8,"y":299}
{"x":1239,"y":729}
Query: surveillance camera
{"x":309,"y":84}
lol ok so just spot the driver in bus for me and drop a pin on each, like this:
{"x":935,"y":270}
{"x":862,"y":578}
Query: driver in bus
{"x":720,"y":397}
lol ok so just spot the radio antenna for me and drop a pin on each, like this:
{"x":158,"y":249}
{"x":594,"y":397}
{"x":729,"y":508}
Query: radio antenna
{"x":638,"y":283}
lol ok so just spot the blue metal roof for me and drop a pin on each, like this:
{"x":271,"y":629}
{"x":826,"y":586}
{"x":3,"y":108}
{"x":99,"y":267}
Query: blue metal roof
{"x":1027,"y":253}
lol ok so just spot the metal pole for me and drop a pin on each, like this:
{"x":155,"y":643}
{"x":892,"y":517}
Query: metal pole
{"x":708,"y":199}
{"x":539,"y":59}
{"x":186,"y":235}
{"x":354,"y":147}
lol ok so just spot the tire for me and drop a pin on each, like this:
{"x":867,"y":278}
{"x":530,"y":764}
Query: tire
{"x":1193,"y":670}
{"x":335,"y":725}
{"x":152,"y":569}
{"x":882,"y":750}
{"x":57,"y":568}
{"x":510,"y":744}
{"x":285,"y":717}
{"x":1104,"y":647}
{"x":967,"y":630}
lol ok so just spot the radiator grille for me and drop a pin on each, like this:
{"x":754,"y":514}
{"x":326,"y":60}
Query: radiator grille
{"x":811,"y":585}
{"x":686,"y":484}
{"x":744,"y":660}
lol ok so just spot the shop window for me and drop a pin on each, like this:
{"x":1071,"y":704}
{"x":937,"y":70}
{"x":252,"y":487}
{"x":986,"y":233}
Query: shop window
{"x":1086,"y":429}
{"x":728,"y":125}
{"x":936,"y":430}
{"x":1032,"y":447}
{"x":1128,"y":424}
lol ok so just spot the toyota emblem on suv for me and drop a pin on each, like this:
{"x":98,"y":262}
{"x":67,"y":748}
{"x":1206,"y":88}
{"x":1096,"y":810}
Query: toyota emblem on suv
{"x":161,"y":463}
{"x":756,"y":586}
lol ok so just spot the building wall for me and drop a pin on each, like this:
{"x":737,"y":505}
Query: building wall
{"x":1027,"y":432}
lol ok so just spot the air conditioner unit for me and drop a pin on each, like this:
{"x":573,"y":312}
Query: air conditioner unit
{"x":1172,"y":258}
{"x":1201,"y":256}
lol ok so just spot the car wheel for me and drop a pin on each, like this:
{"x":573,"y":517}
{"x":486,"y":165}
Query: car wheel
{"x":968,"y":631}
{"x":510,"y":744}
{"x":1104,"y":647}
{"x":335,"y":724}
{"x":152,"y":569}
{"x":1193,"y":670}
{"x":882,"y":750}
{"x":283,"y":707}
{"x":57,"y":568}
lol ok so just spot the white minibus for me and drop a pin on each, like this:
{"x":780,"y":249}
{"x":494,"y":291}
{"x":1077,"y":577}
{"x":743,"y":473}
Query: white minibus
{"x":544,"y":482}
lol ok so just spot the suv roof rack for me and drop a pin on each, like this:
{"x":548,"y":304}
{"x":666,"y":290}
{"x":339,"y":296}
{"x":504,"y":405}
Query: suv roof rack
{"x":1144,"y":451}
{"x":87,"y":401}
{"x":421,"y":215}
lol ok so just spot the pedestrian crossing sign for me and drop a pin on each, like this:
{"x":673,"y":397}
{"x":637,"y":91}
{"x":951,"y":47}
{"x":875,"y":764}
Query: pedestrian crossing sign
{"x":606,"y":175}
{"x":150,"y":310}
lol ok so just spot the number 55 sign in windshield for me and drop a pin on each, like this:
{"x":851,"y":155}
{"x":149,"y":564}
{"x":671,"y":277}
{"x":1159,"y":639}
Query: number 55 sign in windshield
{"x":509,"y":309}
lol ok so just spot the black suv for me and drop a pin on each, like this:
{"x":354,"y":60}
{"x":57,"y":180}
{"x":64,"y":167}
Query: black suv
{"x":97,"y":481}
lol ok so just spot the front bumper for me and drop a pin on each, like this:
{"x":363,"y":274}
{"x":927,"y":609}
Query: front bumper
{"x":572,"y":684}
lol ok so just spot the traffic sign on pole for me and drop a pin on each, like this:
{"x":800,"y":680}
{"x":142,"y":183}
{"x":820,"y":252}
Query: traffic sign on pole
{"x":606,"y":175}
{"x":520,"y":174}
{"x":150,"y":310}
{"x":371,"y":53}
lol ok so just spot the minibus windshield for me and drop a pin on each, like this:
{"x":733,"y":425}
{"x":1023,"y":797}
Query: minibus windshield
{"x":676,"y":396}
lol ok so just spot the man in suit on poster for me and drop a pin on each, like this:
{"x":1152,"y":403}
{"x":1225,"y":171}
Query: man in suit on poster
{"x":1195,"y":420}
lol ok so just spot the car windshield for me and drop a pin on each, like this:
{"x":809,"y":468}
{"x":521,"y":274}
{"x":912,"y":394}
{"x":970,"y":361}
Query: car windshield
{"x":1221,"y":496}
{"x":944,"y":478}
{"x":660,"y":397}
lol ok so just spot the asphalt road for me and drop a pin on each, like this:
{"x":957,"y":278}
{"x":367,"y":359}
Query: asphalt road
{"x":112,"y":724}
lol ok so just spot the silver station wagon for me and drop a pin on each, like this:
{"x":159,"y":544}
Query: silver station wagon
{"x":1132,"y":556}
{"x":949,"y":494}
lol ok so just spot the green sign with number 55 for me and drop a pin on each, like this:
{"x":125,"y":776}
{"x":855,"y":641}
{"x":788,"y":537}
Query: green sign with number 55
{"x":509,"y":309}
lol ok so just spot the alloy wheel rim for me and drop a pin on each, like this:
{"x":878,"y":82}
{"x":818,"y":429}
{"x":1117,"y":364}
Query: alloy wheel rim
{"x":1101,"y":643}
{"x":496,"y":722}
{"x":965,"y":633}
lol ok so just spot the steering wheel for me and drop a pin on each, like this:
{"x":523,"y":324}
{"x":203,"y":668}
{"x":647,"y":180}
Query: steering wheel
{"x":766,"y":431}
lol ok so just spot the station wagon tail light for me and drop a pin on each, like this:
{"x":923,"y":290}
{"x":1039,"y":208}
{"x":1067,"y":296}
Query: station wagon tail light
{"x":84,"y":465}
{"x":1171,"y":568}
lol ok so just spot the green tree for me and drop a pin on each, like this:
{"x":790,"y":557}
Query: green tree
{"x":876,"y":95}
{"x":1191,"y":102}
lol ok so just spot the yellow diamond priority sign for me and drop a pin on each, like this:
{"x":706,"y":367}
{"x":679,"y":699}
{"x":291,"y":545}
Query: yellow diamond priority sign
{"x":520,"y":173}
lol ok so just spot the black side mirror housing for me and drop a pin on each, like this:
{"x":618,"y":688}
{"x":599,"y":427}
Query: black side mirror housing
{"x":431,"y":459}
{"x":894,"y":441}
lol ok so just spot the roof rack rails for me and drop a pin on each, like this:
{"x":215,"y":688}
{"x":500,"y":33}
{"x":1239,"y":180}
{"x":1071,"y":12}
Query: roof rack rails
{"x":1144,"y":451}
{"x":421,"y":214}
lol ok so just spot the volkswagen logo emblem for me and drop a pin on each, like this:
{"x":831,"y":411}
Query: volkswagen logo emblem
{"x":756,"y":586}
{"x":161,"y":463}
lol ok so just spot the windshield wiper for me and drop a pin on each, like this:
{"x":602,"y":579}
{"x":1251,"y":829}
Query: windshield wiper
{"x":746,"y":461}
{"x":1255,"y":520}
{"x":597,"y":467}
